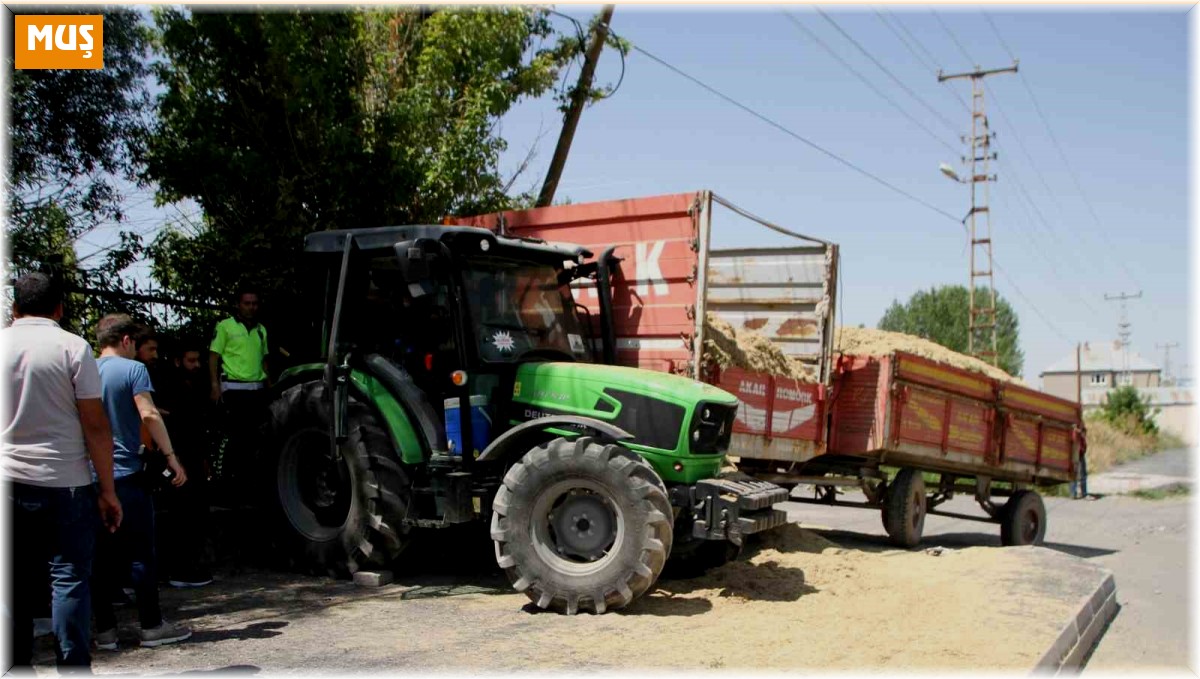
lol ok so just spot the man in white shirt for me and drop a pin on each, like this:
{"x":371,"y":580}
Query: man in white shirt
{"x":53,"y":423}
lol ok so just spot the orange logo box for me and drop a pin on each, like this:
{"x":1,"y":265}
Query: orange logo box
{"x":58,"y":41}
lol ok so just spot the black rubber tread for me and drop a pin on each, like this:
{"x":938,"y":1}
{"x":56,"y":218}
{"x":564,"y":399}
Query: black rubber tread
{"x":374,"y":533}
{"x":630,"y":482}
{"x":1015,"y":513}
{"x":903,"y":527}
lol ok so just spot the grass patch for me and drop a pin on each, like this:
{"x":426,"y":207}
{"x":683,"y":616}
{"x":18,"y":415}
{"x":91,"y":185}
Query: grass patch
{"x":1110,"y":446}
{"x":1173,"y":490}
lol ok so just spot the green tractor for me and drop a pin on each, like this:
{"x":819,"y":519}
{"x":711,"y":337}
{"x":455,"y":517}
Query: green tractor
{"x":459,"y":384}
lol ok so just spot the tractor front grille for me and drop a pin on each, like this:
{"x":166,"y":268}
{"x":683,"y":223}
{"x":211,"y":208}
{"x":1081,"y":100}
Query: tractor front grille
{"x":712,"y":426}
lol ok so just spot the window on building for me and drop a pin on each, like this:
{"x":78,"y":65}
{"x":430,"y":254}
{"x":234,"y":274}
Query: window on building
{"x":1125,"y":379}
{"x":1099,"y":379}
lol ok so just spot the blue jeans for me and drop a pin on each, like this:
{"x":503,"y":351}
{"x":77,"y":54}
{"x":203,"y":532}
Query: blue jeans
{"x":55,"y":529}
{"x":130,"y":550}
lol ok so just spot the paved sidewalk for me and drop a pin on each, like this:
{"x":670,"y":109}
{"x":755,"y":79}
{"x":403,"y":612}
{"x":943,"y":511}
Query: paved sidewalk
{"x":1168,"y":468}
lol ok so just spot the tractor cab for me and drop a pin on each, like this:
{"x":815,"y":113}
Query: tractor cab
{"x":456,"y":309}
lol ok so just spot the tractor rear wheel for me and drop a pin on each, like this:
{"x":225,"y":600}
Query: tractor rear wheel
{"x":341,"y":511}
{"x":581,"y":525}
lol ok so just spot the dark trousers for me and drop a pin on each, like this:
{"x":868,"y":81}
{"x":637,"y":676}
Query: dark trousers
{"x":245,"y":411}
{"x":129,"y":551}
{"x":53,"y":527}
{"x":185,"y":542}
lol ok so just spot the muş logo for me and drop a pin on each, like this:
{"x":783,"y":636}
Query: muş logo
{"x":59,"y":41}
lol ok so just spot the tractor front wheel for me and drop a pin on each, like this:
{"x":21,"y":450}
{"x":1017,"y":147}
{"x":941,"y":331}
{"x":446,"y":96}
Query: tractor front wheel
{"x":581,"y":525}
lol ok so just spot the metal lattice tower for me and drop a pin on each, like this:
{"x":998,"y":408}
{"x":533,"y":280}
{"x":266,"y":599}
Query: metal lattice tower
{"x":981,"y":315}
{"x":1124,"y":327}
{"x":1166,"y":367}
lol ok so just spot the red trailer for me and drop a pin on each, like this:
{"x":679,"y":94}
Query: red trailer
{"x":909,"y":432}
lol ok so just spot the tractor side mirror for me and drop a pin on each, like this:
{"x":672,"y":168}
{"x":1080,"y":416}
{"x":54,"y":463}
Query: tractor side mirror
{"x":414,"y":258}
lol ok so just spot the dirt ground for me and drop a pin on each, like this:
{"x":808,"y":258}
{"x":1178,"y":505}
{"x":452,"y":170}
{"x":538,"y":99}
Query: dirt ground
{"x":795,"y":601}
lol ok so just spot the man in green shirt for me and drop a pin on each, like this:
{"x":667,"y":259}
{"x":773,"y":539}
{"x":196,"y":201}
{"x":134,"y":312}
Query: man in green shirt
{"x":238,"y":372}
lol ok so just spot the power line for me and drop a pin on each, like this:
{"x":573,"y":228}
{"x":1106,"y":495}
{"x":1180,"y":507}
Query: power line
{"x":945,"y":121}
{"x":1066,"y":162}
{"x":842,"y":161}
{"x":1075,"y":181}
{"x":927,"y":64}
{"x":1033,"y":306}
{"x":812,"y":36}
{"x":936,"y":65}
{"x":917,"y":42}
{"x":950,"y":33}
{"x":997,"y":32}
{"x":790,"y":133}
{"x":1041,"y":254}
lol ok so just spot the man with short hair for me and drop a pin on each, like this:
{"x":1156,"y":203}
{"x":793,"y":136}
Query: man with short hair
{"x":237,"y":368}
{"x":53,"y":423}
{"x":147,"y":347}
{"x":126,"y":389}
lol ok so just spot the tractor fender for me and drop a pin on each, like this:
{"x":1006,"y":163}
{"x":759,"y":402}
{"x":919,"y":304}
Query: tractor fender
{"x":511,"y":439}
{"x":401,"y":384}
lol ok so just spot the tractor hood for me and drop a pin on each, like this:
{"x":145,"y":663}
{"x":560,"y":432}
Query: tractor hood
{"x":662,"y":411}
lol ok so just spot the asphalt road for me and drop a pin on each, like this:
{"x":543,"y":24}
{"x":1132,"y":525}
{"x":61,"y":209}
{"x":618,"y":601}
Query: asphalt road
{"x":1143,"y":542}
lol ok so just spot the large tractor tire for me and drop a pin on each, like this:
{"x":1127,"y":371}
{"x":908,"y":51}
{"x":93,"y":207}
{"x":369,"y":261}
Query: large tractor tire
{"x":337,"y":513}
{"x":904,"y":508}
{"x":1023,"y":519}
{"x":579,"y":525}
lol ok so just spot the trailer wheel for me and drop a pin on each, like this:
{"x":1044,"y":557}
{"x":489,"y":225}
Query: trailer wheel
{"x":904,"y":508}
{"x":580,"y":525}
{"x":336,"y":514}
{"x":1023,"y":519}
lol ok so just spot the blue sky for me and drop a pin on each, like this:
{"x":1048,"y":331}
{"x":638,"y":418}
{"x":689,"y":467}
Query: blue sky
{"x":1112,"y":85}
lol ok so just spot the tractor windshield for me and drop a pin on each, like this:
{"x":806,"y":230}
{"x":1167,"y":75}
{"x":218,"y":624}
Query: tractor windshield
{"x":519,"y":307}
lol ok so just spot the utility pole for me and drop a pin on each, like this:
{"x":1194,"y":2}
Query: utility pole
{"x":1166,"y":372}
{"x":981,"y":318}
{"x":1123,"y":326}
{"x":579,"y":97}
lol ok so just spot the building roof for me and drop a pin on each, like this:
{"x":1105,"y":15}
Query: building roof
{"x":1103,"y":356}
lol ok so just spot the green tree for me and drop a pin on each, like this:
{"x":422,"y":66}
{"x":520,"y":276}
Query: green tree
{"x":940,"y":315}
{"x":74,"y":136}
{"x":1125,"y":409}
{"x":284,"y":123}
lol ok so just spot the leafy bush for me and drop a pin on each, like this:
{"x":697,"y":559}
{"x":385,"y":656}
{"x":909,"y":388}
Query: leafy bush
{"x":1125,"y":409}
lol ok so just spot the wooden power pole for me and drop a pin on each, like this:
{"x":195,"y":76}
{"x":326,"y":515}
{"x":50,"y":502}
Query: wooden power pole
{"x":981,"y":319}
{"x":579,"y":97}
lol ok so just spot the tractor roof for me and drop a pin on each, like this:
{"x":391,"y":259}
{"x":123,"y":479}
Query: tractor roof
{"x":457,"y":238}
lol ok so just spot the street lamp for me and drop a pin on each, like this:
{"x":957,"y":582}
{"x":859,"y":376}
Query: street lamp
{"x":949,"y":172}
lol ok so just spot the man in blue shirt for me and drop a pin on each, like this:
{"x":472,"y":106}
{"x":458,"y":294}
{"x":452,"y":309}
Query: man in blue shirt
{"x":126,"y":392}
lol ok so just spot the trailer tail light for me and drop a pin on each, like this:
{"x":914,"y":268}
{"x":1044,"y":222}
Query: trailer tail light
{"x":458,"y":377}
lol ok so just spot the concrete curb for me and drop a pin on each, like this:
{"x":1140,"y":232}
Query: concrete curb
{"x":1080,"y":635}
